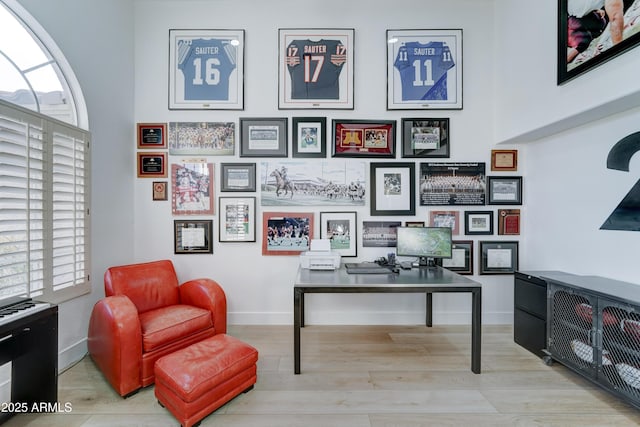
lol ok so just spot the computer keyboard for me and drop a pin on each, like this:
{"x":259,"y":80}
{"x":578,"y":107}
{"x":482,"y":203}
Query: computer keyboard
{"x":406,"y":265}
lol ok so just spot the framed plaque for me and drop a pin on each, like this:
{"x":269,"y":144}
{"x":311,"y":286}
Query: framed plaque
{"x":160,"y":190}
{"x":509,"y":222}
{"x":152,"y":165}
{"x":504,"y":160}
{"x":152,"y":135}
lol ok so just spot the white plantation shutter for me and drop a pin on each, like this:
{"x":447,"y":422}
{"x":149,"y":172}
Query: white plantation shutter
{"x":44,"y":206}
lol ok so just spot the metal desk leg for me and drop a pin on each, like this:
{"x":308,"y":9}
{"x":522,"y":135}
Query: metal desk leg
{"x":297,"y":314}
{"x":429,"y":320}
{"x":302,"y":310}
{"x":476,"y":329}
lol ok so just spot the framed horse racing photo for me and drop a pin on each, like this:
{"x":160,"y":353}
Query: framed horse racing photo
{"x":315,"y":68}
{"x":206,"y":69}
{"x":424,"y":69}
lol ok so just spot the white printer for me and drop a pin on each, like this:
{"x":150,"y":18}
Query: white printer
{"x":320,"y":257}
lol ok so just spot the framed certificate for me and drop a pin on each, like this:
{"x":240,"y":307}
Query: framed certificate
{"x":206,"y":69}
{"x":238,"y":177}
{"x":461,"y":260}
{"x":315,"y":68}
{"x":192,"y":237}
{"x":498,"y":257}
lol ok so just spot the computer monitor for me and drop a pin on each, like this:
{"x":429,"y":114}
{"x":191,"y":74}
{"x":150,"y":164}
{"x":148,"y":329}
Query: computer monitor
{"x":427,"y":243}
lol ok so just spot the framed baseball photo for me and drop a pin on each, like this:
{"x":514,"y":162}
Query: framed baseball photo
{"x":315,"y":68}
{"x":424,"y":69}
{"x":206,"y":69}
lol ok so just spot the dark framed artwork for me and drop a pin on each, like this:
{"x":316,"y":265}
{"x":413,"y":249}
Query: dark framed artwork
{"x":315,"y":68}
{"x":424,"y":69}
{"x":364,"y":138}
{"x":309,"y":137}
{"x":478,"y":222}
{"x":380,"y":234}
{"x":237,"y":177}
{"x":160,"y":190}
{"x":286,"y":233}
{"x":504,"y":190}
{"x":393,"y":188}
{"x":206,"y":69}
{"x":588,"y":38}
{"x":425,"y":137}
{"x":193,"y":236}
{"x":152,"y":165}
{"x":461,"y":260}
{"x":152,"y":135}
{"x":237,"y":219}
{"x":263,"y":137}
{"x":341,"y":229}
{"x":498,"y":257}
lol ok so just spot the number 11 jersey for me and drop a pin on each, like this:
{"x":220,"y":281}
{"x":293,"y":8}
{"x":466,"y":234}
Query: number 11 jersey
{"x":423,"y":70}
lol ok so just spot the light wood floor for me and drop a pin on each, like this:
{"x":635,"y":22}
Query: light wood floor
{"x":368,"y":376}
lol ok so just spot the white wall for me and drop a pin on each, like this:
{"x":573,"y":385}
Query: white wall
{"x":567,"y":132}
{"x":259,"y":288}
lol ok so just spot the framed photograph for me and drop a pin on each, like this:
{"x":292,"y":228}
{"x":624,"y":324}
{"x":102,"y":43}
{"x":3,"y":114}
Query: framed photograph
{"x":504,"y":160}
{"x":237,"y":219}
{"x":202,"y":138}
{"x":509,"y":222}
{"x":414,"y":223}
{"x":588,"y":37}
{"x":192,"y":187}
{"x":498,"y":257}
{"x":341,"y":229}
{"x":425,"y":138}
{"x":159,"y":190}
{"x":315,"y":68}
{"x":193,"y":236}
{"x":206,"y":69}
{"x":449,"y":219}
{"x":309,"y":137}
{"x":237,"y":177}
{"x":152,"y":135}
{"x":478,"y":222}
{"x":453,"y":184}
{"x":152,"y":165}
{"x":312,"y":183}
{"x":393,"y":189}
{"x":461,"y":260}
{"x":504,"y":190}
{"x":380,"y":234}
{"x":263,"y":137}
{"x":286,"y":233}
{"x":424,"y":69}
{"x":364,"y":138}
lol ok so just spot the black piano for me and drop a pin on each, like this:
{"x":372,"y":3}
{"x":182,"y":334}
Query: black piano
{"x":29,"y":339}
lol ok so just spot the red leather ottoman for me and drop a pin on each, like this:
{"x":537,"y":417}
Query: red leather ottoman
{"x":195,"y":381}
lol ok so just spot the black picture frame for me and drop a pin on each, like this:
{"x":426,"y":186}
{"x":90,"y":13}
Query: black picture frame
{"x":498,"y":257}
{"x":478,"y":222}
{"x":314,"y":128}
{"x":237,"y":177}
{"x":504,"y":190}
{"x":462,"y":257}
{"x":393,"y":188}
{"x":599,"y":50}
{"x":425,"y":138}
{"x":264,"y":137}
{"x":193,"y":236}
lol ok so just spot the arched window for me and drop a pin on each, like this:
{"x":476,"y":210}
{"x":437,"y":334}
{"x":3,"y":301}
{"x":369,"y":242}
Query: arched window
{"x":33,"y":71}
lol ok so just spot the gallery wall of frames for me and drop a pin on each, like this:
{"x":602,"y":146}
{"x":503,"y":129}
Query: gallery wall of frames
{"x":280,"y":168}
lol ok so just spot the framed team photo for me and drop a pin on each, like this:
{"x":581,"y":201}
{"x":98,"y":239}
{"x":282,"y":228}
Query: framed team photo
{"x":424,"y":69}
{"x":315,"y":68}
{"x":206,"y":69}
{"x":202,"y":138}
{"x":590,"y":34}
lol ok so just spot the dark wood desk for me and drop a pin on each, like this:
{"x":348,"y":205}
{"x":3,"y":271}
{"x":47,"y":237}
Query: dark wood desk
{"x":417,"y":280}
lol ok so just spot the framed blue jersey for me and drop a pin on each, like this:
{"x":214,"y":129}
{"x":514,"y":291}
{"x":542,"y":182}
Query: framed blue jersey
{"x":316,"y":69}
{"x":206,"y":69}
{"x":424,"y":69}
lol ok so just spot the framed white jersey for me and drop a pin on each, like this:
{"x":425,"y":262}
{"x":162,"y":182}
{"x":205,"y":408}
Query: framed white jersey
{"x":206,"y":69}
{"x":424,"y":69}
{"x":315,"y":69}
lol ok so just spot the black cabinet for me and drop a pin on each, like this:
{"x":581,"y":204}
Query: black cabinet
{"x":530,"y":312}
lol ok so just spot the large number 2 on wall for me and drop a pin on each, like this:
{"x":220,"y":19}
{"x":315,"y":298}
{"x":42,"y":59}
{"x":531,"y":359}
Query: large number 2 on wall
{"x":626,"y":216}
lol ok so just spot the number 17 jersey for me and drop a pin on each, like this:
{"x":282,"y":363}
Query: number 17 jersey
{"x":314,"y":67}
{"x":423,"y":70}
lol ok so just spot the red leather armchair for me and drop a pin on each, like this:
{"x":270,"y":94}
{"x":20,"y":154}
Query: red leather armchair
{"x":145,"y":315}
